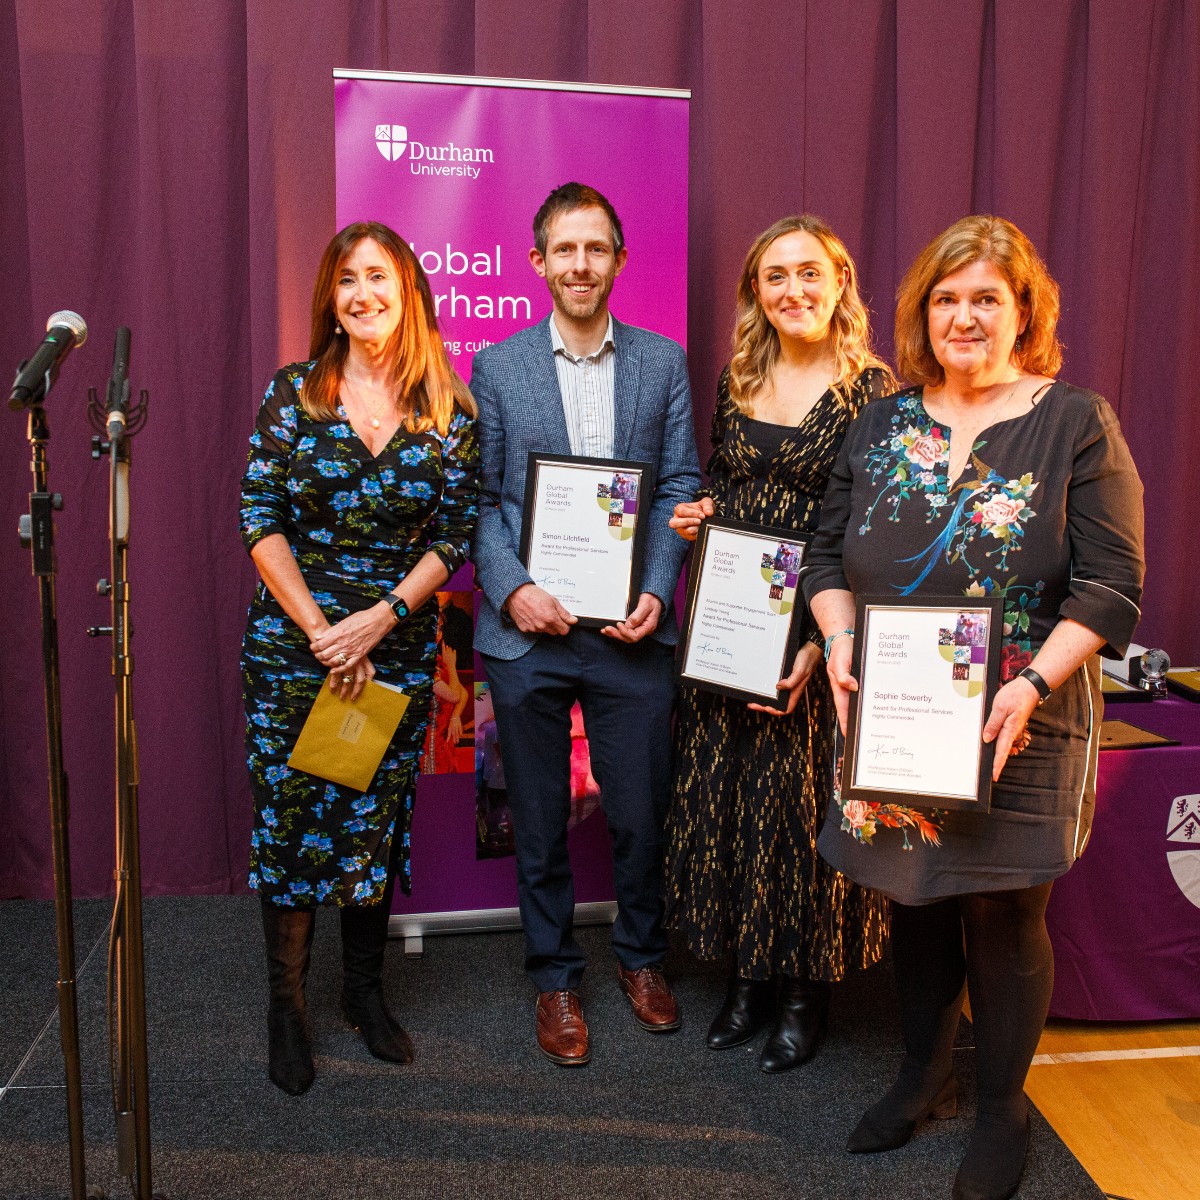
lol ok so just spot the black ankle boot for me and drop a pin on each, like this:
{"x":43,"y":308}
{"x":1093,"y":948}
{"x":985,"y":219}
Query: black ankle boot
{"x":800,"y":1020}
{"x":747,"y":1003}
{"x":288,"y":933}
{"x":995,"y":1159}
{"x":890,"y":1122}
{"x":364,"y":937}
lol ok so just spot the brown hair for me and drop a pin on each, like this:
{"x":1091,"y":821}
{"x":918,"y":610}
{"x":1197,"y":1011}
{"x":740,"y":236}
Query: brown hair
{"x":427,"y":387}
{"x":978,"y":239}
{"x":567,"y":198}
{"x":755,"y":342}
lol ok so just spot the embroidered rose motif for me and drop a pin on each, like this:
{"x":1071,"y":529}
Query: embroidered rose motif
{"x":1000,"y":510}
{"x":1013,"y":660}
{"x":857,"y":812}
{"x":925,"y":449}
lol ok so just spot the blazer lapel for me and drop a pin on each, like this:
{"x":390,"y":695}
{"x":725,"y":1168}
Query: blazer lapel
{"x":545,"y":398}
{"x":626,"y":374}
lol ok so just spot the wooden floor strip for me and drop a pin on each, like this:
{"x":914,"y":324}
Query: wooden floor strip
{"x":1078,"y":1056}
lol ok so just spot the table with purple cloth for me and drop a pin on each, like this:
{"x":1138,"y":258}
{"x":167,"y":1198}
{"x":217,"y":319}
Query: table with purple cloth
{"x":1125,"y":920}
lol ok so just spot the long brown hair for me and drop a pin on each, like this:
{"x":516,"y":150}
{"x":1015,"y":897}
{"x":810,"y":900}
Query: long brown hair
{"x":755,"y":342}
{"x":978,"y":239}
{"x":427,"y":387}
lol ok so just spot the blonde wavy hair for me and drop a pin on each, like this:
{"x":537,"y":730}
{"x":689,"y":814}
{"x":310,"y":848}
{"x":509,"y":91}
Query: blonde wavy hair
{"x":427,"y":387}
{"x":981,"y":238}
{"x":755,"y":342}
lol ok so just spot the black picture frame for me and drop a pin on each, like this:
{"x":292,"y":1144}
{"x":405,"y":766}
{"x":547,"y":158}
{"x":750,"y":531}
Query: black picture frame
{"x":865,"y":606}
{"x":647,"y":478}
{"x":686,"y":672}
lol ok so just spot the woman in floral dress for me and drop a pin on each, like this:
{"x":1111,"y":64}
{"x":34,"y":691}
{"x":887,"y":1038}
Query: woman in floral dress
{"x":357,"y":504}
{"x":744,"y":880}
{"x":990,"y":478}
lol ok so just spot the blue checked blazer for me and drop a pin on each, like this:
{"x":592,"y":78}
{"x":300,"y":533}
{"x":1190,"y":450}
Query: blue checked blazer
{"x":515,"y":385}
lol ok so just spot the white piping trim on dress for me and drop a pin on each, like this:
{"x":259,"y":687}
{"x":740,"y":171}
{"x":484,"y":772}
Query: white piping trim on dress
{"x":1093,"y":583}
{"x":1092,"y":763}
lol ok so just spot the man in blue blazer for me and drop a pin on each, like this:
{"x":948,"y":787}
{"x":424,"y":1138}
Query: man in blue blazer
{"x":581,"y":383}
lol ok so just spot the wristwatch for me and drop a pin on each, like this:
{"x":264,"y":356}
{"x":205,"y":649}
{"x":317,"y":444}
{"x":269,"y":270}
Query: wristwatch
{"x":399,"y":607}
{"x":1039,"y":684}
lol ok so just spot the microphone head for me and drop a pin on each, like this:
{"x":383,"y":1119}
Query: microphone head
{"x":73,"y":321}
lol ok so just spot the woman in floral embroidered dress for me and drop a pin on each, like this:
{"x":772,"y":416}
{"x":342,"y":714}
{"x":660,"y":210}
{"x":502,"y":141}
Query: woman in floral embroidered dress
{"x":991,"y":478}
{"x":357,"y":503}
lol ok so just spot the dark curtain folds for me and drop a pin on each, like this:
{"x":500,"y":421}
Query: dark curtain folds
{"x":170,"y":167}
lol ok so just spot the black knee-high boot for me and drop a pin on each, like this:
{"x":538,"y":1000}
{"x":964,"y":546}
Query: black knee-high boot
{"x":364,"y":939}
{"x":927,"y":954}
{"x":288,"y":933}
{"x":1010,"y":972}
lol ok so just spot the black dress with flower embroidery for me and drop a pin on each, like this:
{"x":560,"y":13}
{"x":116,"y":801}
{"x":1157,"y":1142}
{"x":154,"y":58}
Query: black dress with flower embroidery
{"x":742,"y":873}
{"x":356,"y":525}
{"x":1046,"y":515}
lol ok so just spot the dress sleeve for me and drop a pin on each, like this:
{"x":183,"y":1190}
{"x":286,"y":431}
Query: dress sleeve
{"x":1105,"y":531}
{"x":264,"y":506}
{"x":454,"y":522}
{"x":715,"y":468}
{"x":822,"y":570}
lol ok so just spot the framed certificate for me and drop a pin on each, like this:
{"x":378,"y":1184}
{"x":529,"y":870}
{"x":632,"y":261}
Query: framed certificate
{"x":740,"y":626}
{"x":582,"y":532}
{"x":927,"y":673}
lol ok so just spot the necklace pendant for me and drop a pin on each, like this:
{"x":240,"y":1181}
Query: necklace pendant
{"x":374,"y":422}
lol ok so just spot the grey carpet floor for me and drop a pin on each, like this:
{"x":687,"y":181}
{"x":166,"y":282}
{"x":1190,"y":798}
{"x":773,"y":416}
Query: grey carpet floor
{"x":480,"y":1113}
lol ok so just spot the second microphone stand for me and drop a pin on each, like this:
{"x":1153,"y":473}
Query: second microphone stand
{"x":127,"y":976}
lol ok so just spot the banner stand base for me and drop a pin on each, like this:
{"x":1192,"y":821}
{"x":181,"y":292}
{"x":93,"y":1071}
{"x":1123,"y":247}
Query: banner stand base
{"x":415,"y":927}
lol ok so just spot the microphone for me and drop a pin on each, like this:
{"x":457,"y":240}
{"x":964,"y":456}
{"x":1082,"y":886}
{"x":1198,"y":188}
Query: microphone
{"x":64,"y":331}
{"x":117,"y":399}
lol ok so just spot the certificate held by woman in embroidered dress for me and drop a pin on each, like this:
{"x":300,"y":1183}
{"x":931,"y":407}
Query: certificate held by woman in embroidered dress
{"x":583,"y":532}
{"x":927,"y":674}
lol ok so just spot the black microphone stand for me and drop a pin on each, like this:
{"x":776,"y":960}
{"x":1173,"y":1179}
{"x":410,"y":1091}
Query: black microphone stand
{"x":37,"y":532}
{"x":126,"y":963}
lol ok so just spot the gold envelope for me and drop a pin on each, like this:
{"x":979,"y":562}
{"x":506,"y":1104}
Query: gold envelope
{"x":344,"y":741}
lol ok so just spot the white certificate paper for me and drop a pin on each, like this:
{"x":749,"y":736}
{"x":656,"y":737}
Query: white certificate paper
{"x":581,"y":541}
{"x":922,"y":701}
{"x":740,"y":612}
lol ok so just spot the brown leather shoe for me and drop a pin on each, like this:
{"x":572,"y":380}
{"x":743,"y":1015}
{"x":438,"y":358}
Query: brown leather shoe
{"x":654,"y":1007}
{"x":562,"y":1033}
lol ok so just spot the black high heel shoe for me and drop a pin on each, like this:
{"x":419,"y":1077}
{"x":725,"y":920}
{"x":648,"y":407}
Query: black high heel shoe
{"x":800,"y":1020}
{"x":747,"y":1003}
{"x":992,"y":1167}
{"x":884,"y":1125}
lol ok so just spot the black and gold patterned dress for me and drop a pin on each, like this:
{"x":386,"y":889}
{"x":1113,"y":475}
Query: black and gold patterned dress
{"x":751,"y":790}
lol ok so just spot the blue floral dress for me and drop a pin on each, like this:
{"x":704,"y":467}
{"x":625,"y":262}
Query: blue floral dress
{"x":1046,"y":515}
{"x":356,"y":525}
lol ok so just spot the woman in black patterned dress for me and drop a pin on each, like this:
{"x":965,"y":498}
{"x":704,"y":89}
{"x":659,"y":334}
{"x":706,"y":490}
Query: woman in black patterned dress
{"x":357,"y":503}
{"x":752,"y":783}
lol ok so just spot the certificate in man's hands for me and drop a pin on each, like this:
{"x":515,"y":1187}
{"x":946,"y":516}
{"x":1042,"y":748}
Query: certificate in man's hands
{"x":927,"y":671}
{"x":583,"y":532}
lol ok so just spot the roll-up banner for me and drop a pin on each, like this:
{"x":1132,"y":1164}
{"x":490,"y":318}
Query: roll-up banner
{"x":458,"y":166}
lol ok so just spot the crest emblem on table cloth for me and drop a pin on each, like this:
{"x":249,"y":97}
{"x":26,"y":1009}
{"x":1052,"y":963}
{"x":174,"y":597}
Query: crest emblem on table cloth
{"x":1183,"y":845}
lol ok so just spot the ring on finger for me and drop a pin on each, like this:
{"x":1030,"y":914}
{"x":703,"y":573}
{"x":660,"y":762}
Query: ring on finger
{"x":342,"y":657}
{"x":347,"y":679}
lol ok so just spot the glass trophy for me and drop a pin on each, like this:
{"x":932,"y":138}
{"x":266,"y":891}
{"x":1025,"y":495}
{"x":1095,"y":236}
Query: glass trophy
{"x":1154,"y":667}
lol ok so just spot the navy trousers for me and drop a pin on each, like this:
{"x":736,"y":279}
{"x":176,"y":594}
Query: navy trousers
{"x":627,"y":695}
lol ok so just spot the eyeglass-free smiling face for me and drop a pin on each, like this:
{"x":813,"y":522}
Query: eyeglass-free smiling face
{"x":798,"y":286}
{"x":974,"y":321}
{"x":366,"y":297}
{"x":580,"y":265}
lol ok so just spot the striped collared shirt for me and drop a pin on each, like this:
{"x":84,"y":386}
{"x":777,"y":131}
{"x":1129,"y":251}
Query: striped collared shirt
{"x":586,"y":384}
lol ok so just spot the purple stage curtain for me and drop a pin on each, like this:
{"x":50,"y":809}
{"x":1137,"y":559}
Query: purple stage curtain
{"x":170,"y":167}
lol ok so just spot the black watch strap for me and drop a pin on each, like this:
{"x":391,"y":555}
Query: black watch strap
{"x":1040,"y":685}
{"x":399,"y":607}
